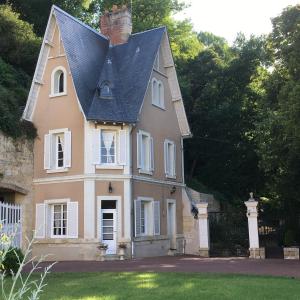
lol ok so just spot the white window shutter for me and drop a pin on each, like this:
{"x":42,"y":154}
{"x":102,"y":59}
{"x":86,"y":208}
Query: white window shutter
{"x":96,"y":146}
{"x":123,"y":147}
{"x":139,"y":150}
{"x":166,"y":157}
{"x":174,"y":162}
{"x":156,"y":210}
{"x":68,"y":149}
{"x":49,"y":220}
{"x":151,"y":154}
{"x":137,"y":214}
{"x":47,"y":151}
{"x":40,"y":220}
{"x":72,"y":219}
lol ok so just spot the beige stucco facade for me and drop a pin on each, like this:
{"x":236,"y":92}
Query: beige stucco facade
{"x":87,"y":185}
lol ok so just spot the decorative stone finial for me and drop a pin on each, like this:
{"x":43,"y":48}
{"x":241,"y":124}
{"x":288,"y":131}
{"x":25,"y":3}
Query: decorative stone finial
{"x":251,"y":197}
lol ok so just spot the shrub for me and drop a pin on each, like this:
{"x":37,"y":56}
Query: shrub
{"x":11,"y":262}
{"x":289,"y":238}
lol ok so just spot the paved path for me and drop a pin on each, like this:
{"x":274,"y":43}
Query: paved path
{"x":275,"y":267}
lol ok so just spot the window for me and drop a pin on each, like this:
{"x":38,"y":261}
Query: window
{"x":59,"y":220}
{"x":108,"y":147}
{"x":158,"y":93}
{"x":57,"y":150}
{"x":105,"y":91}
{"x":170,"y":158}
{"x":147,"y":217}
{"x":56,"y":218}
{"x":58,"y":82}
{"x":145,"y":152}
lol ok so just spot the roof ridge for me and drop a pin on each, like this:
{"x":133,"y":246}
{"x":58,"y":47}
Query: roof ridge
{"x":79,"y":22}
{"x":152,"y":29}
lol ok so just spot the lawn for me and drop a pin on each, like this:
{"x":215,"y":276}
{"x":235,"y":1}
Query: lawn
{"x":169,"y":286}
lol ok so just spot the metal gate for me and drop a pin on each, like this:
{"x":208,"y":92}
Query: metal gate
{"x":228,"y":234}
{"x":10,"y":218}
{"x":271,"y":236}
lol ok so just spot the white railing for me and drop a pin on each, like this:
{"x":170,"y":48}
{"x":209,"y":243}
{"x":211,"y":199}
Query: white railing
{"x":10,"y":218}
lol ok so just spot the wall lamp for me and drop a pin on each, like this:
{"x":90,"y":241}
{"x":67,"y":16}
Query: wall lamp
{"x":110,"y":189}
{"x":173,"y":189}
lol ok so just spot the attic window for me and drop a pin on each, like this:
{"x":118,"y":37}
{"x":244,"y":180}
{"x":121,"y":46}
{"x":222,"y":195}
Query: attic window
{"x":105,"y":91}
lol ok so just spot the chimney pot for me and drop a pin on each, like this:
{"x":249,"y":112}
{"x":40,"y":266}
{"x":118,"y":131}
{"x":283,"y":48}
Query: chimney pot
{"x":116,"y":25}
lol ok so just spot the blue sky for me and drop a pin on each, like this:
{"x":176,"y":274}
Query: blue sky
{"x":227,"y":17}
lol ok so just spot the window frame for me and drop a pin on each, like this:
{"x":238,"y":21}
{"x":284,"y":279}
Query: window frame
{"x":53,"y":156}
{"x":57,"y":135}
{"x":53,"y":92}
{"x":148,"y":216}
{"x":142,"y":168}
{"x":61,"y":219}
{"x":157,"y":90}
{"x":168,"y":160}
{"x":116,"y":146}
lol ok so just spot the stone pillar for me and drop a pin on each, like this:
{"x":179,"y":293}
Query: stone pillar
{"x":255,"y":251}
{"x":203,"y":229}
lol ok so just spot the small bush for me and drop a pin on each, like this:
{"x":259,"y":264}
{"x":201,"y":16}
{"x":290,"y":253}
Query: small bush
{"x":11,"y":261}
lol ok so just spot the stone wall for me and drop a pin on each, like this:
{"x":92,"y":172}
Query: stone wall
{"x":16,"y":173}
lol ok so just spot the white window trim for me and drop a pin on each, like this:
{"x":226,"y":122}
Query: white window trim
{"x":116,"y":163}
{"x":159,"y":105}
{"x":51,"y":203}
{"x":173,"y":175}
{"x":141,"y":170}
{"x":56,"y":169}
{"x":149,"y":220}
{"x":52,"y":93}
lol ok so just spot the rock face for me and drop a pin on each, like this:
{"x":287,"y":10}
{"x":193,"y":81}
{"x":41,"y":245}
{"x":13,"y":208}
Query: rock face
{"x":16,"y":174}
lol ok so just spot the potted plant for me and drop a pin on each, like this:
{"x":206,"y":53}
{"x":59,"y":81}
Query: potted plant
{"x":102,"y":247}
{"x":122,"y":248}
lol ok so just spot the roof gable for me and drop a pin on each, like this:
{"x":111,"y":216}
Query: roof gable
{"x":126,"y":67}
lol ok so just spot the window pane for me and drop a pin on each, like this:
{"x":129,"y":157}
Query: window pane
{"x":61,"y":83}
{"x":108,"y":222}
{"x":108,"y":237}
{"x":107,"y":230}
{"x":108,"y":216}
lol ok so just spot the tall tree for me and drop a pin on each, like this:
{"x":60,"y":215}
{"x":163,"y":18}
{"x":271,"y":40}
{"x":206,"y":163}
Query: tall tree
{"x":279,"y":130}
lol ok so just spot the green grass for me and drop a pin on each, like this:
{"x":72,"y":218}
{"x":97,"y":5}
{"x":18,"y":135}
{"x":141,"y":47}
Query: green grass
{"x":167,"y":286}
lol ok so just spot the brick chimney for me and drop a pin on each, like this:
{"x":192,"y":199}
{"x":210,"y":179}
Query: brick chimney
{"x":116,"y":25}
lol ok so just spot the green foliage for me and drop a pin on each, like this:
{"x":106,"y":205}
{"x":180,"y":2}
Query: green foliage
{"x":220,"y":100}
{"x":14,"y":86}
{"x":278,"y":131}
{"x":11,"y":262}
{"x":19,"y":45}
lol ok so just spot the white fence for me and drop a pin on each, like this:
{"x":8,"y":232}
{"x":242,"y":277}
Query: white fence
{"x":10,"y":218}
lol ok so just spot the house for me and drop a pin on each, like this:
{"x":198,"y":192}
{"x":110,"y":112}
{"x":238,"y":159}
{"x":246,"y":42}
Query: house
{"x":108,"y":158}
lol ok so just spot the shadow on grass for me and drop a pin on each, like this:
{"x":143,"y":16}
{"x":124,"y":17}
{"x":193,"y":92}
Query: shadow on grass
{"x":119,"y":286}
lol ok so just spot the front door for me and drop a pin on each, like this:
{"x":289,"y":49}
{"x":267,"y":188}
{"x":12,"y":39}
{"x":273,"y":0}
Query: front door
{"x":108,"y":230}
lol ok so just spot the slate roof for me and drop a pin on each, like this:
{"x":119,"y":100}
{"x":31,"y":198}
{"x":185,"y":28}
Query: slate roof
{"x":126,"y":67}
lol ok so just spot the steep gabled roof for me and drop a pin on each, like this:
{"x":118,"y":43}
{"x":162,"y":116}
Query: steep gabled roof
{"x":86,"y":50}
{"x":126,"y":67}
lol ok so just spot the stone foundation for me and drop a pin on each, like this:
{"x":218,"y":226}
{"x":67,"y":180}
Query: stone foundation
{"x":204,"y":252}
{"x":257,"y":253}
{"x":16,"y":173}
{"x":291,"y":253}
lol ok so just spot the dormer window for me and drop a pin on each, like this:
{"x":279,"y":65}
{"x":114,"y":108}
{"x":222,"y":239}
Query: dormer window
{"x":58,"y":82}
{"x":158,"y":93}
{"x":105,"y":90}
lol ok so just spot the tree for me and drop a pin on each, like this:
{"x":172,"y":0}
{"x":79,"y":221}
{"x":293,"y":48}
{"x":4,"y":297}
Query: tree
{"x":279,"y":128}
{"x":19,"y":45}
{"x":221,"y":99}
